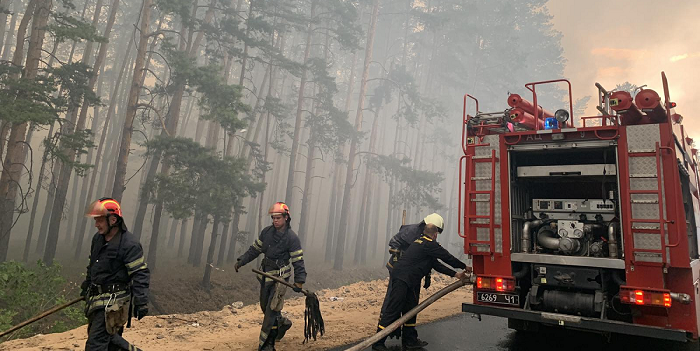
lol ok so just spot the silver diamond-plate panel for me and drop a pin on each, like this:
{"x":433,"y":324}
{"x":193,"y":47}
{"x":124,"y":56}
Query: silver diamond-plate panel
{"x":647,"y":241}
{"x":647,"y":257}
{"x":643,"y":184}
{"x":484,"y":169}
{"x":642,"y":165}
{"x":645,"y":211}
{"x":643,"y":137}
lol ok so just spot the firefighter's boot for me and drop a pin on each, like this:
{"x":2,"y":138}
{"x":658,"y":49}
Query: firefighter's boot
{"x":379,"y":345}
{"x":416,"y":344}
{"x":283,"y":324}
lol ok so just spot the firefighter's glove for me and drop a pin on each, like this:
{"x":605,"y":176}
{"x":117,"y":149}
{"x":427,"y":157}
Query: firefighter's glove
{"x":141,"y":311}
{"x":426,"y":283}
{"x":237,"y":266}
{"x":84,"y":288}
{"x":297,"y":287}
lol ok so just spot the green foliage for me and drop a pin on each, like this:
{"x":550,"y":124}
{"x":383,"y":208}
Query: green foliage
{"x":66,"y":27}
{"x":28,"y":100}
{"x":199,"y":180}
{"x":26,"y":291}
{"x":80,"y":141}
{"x":219,"y":101}
{"x":73,"y":78}
{"x":419,"y":187}
{"x":180,"y":8}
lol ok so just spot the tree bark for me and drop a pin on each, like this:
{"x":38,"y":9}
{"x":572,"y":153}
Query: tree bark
{"x":132,"y":105}
{"x":340,"y":247}
{"x":39,"y":11}
{"x":172,"y":123}
{"x":69,"y":128}
{"x":11,"y":33}
{"x":288,"y":197}
{"x":206,"y":281}
{"x":4,"y":8}
{"x":231,"y":254}
{"x":222,"y":247}
{"x":183,"y":234}
{"x":35,"y":204}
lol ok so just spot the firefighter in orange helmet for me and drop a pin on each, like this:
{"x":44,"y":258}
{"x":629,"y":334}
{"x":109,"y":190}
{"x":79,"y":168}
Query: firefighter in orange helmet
{"x":282,"y":250}
{"x":116,"y":284}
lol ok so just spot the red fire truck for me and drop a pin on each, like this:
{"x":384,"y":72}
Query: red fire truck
{"x":589,"y":224}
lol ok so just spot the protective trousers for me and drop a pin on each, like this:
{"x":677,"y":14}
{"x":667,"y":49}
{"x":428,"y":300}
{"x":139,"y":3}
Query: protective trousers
{"x":271,"y":302}
{"x":385,"y":304}
{"x":401,"y":299}
{"x":100,"y":340}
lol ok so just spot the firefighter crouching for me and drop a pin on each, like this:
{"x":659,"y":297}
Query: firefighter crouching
{"x":416,"y":262}
{"x":116,"y":285}
{"x":282,"y":250}
{"x":399,"y":243}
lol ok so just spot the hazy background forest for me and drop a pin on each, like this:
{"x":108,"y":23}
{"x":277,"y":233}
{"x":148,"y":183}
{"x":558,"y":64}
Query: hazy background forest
{"x":197,"y":115}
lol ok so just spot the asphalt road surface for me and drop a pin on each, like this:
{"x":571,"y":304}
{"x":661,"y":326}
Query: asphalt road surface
{"x":463,"y":332}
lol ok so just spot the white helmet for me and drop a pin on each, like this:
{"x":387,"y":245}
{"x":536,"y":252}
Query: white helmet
{"x":436,"y":220}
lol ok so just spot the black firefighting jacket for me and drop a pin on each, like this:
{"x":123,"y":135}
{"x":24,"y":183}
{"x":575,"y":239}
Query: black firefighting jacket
{"x":420,"y":258}
{"x":282,"y":251}
{"x":402,"y":240}
{"x":116,"y":263}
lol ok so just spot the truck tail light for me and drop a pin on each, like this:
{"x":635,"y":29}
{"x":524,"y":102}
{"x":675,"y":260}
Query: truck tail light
{"x":494,"y":283}
{"x":645,"y":297}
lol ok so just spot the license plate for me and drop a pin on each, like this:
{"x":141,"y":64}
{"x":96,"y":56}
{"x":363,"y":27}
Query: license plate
{"x":506,"y":299}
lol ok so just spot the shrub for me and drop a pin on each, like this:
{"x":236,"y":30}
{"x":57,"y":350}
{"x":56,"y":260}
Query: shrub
{"x":27,"y":290}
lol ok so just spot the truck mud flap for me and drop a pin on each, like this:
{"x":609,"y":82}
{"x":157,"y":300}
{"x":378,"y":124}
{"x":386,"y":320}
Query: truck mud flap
{"x":576,"y":322}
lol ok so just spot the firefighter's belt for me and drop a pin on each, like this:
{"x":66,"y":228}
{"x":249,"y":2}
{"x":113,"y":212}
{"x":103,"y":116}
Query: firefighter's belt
{"x":284,"y":272}
{"x":268,"y":263}
{"x":96,"y":289}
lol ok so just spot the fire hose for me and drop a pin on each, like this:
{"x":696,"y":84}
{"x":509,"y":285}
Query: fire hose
{"x":470,"y":279}
{"x":42,"y":315}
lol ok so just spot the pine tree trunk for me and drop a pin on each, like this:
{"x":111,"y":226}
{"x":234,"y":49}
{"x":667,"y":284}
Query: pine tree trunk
{"x":222,"y":247}
{"x":172,"y":123}
{"x":4,"y":9}
{"x":288,"y":197}
{"x":132,"y":105}
{"x":231,"y":254}
{"x":13,"y":164}
{"x":11,"y":32}
{"x":199,"y":244}
{"x":183,"y":235}
{"x":69,"y":128}
{"x":193,"y":237}
{"x":35,"y":204}
{"x":206,"y":281}
{"x":340,"y":247}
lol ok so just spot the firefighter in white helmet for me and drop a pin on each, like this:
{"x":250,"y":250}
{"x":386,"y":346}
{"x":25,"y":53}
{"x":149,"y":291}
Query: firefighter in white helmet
{"x":397,"y":245}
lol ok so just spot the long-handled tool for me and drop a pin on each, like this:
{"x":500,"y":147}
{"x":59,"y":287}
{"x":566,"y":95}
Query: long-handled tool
{"x":313,"y":321}
{"x":42,"y":315}
{"x":471,"y":278}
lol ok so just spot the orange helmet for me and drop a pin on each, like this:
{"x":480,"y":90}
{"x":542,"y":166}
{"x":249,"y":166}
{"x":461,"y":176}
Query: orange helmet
{"x":279,"y":208}
{"x":104,"y":207}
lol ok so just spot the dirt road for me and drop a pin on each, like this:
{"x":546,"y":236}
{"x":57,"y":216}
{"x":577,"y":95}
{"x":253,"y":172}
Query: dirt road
{"x":350,"y":314}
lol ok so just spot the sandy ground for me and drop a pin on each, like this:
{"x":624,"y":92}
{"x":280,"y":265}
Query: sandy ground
{"x":350,"y":314}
